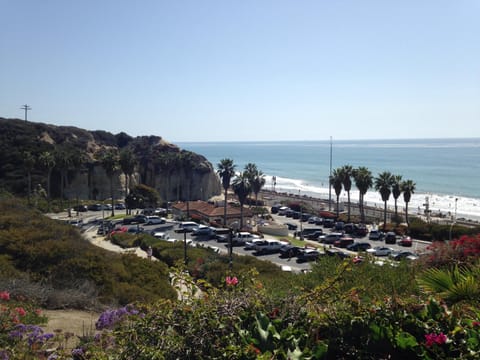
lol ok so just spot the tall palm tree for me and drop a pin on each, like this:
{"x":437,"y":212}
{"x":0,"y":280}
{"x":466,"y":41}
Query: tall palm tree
{"x":29,"y":163}
{"x":109,"y":161}
{"x":226,"y":171}
{"x":258,"y":182}
{"x":127,"y":164}
{"x":47,"y":160}
{"x":396,"y":191}
{"x":347,"y":173}
{"x":408,"y":188}
{"x":242,"y":188}
{"x":336,"y":181}
{"x":251,"y":172}
{"x":363,"y":181}
{"x":383,"y":184}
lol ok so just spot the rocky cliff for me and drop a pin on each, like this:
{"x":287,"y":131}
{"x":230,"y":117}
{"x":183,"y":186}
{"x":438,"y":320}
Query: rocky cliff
{"x":32,"y":153}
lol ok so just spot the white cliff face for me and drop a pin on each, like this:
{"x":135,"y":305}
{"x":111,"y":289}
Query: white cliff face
{"x":95,"y":184}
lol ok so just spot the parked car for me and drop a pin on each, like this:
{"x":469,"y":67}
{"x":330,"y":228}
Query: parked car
{"x":250,"y":245}
{"x":205,"y":232}
{"x":241,"y":238}
{"x":117,"y":230}
{"x":304,"y":217}
{"x":137,"y":219}
{"x":376,"y":235}
{"x":315,"y":235}
{"x":315,"y":220}
{"x":330,"y":238}
{"x":95,"y":207}
{"x":308,"y":255}
{"x":359,"y":246}
{"x":390,"y":238}
{"x":153,"y":219}
{"x":80,"y":208}
{"x":291,"y":226}
{"x":268,"y":247}
{"x":221,"y":238}
{"x":380,"y":251}
{"x":401,"y":255}
{"x":339,"y":225}
{"x":120,"y":206}
{"x":188,"y":226}
{"x":135,"y":230}
{"x":161,"y":235}
{"x":307,"y":231}
{"x":289,"y":251}
{"x":405,"y":241}
{"x":343,"y":242}
{"x":360,"y":230}
{"x":328,"y":223}
{"x":336,"y":252}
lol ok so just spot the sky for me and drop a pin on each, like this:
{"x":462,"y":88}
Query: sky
{"x":250,"y":70}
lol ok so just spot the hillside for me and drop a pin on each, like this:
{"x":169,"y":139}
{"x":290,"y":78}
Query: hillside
{"x":76,"y":170}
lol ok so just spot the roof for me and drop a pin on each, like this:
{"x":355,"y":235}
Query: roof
{"x":211,"y":210}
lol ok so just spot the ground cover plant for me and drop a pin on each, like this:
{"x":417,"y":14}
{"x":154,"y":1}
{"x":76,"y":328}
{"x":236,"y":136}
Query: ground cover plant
{"x":340,"y":310}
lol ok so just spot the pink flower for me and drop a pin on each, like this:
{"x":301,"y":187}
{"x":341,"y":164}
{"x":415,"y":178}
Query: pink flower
{"x":432,"y":339}
{"x":231,"y":281}
{"x":20,"y":311}
{"x":4,"y":295}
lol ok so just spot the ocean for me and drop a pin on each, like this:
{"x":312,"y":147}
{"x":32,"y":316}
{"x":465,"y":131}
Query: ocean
{"x":446,"y":171}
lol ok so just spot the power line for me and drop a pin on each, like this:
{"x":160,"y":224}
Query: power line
{"x":26,"y":108}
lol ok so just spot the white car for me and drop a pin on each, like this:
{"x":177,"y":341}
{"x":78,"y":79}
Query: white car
{"x":152,"y":220}
{"x":380,"y":251}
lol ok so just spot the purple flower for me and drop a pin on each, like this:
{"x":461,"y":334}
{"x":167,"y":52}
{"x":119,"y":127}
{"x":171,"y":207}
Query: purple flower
{"x":4,"y":355}
{"x":77,"y":352}
{"x":109,"y":318}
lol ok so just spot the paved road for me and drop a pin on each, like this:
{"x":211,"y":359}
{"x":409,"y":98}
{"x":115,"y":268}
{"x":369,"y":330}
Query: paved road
{"x":92,"y":218}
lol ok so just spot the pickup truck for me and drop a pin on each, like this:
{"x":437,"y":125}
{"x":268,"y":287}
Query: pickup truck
{"x":241,"y":238}
{"x":268,"y":247}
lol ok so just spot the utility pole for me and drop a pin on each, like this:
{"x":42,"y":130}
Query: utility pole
{"x":26,"y":108}
{"x":329,"y":177}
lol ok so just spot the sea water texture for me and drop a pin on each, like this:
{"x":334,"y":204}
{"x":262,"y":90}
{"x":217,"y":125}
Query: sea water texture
{"x":446,"y":171}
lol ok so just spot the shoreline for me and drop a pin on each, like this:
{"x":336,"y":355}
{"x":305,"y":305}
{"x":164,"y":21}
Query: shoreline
{"x":271,"y":197}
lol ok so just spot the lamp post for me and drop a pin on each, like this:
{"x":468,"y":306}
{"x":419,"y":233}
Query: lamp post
{"x":233,"y":226}
{"x":184,"y":232}
{"x":454,"y":220}
{"x":301,"y":215}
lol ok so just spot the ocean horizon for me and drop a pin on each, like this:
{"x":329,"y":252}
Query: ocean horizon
{"x":446,"y":171}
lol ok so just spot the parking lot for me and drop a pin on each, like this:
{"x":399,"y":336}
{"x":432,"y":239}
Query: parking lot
{"x":94,"y":218}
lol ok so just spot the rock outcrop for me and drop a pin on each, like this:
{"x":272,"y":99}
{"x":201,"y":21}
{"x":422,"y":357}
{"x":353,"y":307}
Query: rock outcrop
{"x":77,"y":171}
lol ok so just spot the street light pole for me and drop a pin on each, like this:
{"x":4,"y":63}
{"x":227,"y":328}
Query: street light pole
{"x":454,"y":221}
{"x":329,"y":177}
{"x":301,"y":215}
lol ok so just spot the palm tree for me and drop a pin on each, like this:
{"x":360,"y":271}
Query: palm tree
{"x":408,"y":188}
{"x":347,"y":173}
{"x":29,"y":163}
{"x":127,"y":164}
{"x":383,"y":184}
{"x":242,"y":188}
{"x":47,"y":160}
{"x":455,"y":285}
{"x":257,"y":184}
{"x":109,"y":161}
{"x":363,"y":181}
{"x":251,"y":172}
{"x":226,"y":171}
{"x":336,"y":181}
{"x":396,"y":191}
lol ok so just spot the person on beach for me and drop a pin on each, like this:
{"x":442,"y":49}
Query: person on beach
{"x":149,"y":253}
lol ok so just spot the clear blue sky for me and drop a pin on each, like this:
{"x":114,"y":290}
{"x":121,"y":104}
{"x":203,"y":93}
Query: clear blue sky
{"x":199,"y":70}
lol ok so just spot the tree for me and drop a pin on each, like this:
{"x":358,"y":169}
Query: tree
{"x":256,"y":178}
{"x":47,"y":160}
{"x":396,"y":191}
{"x":336,"y":181}
{"x":250,"y":171}
{"x":241,"y":188}
{"x":383,"y":184}
{"x":109,"y":161}
{"x":127,"y":163}
{"x":226,"y":171}
{"x":363,"y":181}
{"x":347,"y":173}
{"x":408,"y":188}
{"x":29,"y":163}
{"x":64,"y":161}
{"x":258,"y":183}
